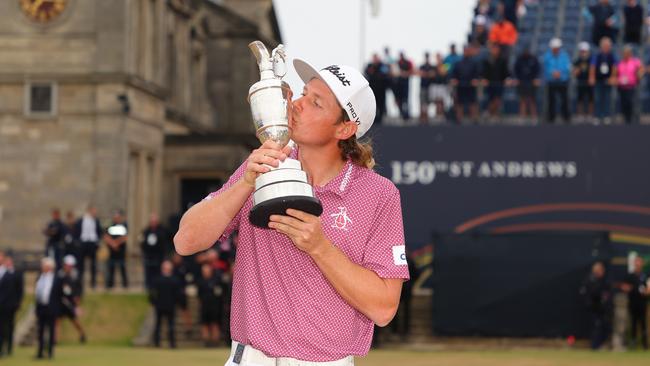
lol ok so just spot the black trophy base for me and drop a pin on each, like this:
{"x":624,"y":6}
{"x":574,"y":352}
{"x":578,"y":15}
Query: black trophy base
{"x":260,"y":214}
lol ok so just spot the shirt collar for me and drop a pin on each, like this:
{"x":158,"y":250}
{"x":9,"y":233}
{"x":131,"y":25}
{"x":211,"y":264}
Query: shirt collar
{"x":340,"y":184}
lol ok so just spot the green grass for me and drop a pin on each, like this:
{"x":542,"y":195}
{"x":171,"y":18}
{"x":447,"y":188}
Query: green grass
{"x":74,"y":355}
{"x":108,"y":319}
{"x":28,"y":300}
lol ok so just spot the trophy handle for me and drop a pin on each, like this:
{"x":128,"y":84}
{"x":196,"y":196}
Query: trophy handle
{"x":279,"y":57}
{"x":260,"y":51}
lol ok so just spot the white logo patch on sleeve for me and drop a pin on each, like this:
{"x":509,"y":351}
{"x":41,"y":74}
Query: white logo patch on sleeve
{"x":399,"y":255}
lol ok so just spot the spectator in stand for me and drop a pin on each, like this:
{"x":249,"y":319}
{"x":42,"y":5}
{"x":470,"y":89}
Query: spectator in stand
{"x":378,"y":75}
{"x":90,"y":232}
{"x":509,"y":9}
{"x":465,"y":78}
{"x":637,"y":287}
{"x":557,"y":69}
{"x":452,"y":58}
{"x":154,"y":247}
{"x":504,"y":34}
{"x":486,"y":9}
{"x":165,"y":294}
{"x":602,"y":75}
{"x":526,"y":72}
{"x":12,"y":288}
{"x":439,"y":90}
{"x":405,"y":71}
{"x":495,"y":76}
{"x":633,"y":16}
{"x":54,"y":232}
{"x":391,"y":62}
{"x":584,"y":91}
{"x":480,"y":34}
{"x":211,"y":291}
{"x":630,"y":72}
{"x":604,"y":21}
{"x":597,"y":293}
{"x":115,"y":238}
{"x":427,"y":73}
{"x":71,"y":296}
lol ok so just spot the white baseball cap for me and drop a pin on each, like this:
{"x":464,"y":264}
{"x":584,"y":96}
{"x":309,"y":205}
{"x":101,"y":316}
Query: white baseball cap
{"x":69,"y":260}
{"x":480,"y":20}
{"x":350,"y":88}
{"x":583,"y":46}
{"x":555,"y":43}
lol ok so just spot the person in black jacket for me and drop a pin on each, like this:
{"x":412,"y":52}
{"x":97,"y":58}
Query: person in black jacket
{"x":4,"y":300}
{"x":71,"y":295}
{"x":633,"y":15}
{"x":47,"y":293}
{"x":154,"y":247}
{"x":211,"y":293}
{"x":637,"y":287}
{"x":165,"y":295}
{"x":604,"y":21}
{"x":54,"y":232}
{"x":597,"y":293}
{"x":89,"y":232}
{"x":11,"y":296}
{"x":70,"y":243}
{"x":115,"y":238}
{"x":495,"y":75}
{"x":527,"y":74}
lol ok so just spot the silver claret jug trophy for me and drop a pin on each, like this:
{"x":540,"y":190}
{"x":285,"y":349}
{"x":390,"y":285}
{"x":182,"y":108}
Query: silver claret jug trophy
{"x":286,"y":186}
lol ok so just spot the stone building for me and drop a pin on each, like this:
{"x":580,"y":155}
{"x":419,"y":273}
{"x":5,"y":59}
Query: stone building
{"x":131,"y":104}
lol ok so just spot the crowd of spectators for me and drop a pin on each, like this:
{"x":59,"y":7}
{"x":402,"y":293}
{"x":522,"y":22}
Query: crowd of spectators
{"x":78,"y":245}
{"x":602,"y":80}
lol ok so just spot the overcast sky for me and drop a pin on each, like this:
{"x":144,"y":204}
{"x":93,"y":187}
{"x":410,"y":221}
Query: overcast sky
{"x":324,"y":32}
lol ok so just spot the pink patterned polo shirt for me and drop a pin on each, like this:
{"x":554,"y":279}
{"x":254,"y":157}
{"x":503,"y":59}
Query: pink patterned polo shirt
{"x":281,"y":302}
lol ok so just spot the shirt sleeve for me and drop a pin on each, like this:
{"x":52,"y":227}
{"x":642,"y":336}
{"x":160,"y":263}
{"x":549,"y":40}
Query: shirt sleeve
{"x":385,"y":252}
{"x":234,"y":224}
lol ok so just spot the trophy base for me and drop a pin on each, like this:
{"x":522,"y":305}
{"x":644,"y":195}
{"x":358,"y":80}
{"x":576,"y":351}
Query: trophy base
{"x":259,"y":215}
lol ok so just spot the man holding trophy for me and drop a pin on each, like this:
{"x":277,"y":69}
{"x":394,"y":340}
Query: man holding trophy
{"x":321,"y":256}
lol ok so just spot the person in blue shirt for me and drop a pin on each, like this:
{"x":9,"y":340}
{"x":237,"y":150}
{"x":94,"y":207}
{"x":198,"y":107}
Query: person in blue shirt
{"x":602,"y":75}
{"x":557,"y":67}
{"x":452,"y":58}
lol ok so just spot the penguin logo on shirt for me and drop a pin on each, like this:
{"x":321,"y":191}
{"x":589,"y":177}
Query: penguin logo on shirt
{"x":341,"y":219}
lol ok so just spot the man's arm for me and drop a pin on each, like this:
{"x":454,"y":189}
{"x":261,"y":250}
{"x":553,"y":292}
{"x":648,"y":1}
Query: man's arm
{"x":375,"y":297}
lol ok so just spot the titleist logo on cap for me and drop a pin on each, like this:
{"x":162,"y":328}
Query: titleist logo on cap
{"x":334,"y":69}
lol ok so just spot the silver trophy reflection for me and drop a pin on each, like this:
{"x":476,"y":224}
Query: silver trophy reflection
{"x":285,"y":186}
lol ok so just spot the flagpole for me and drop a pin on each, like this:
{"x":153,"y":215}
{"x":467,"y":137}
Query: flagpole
{"x":362,"y":34}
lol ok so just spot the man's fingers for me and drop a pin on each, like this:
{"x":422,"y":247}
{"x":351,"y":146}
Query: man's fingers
{"x":300,"y":215}
{"x":287,"y":220}
{"x":287,"y":150}
{"x":272,"y":145}
{"x":284,"y":229}
{"x":263,"y":159}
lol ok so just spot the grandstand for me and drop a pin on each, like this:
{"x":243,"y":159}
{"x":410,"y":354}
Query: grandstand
{"x":566,"y":19}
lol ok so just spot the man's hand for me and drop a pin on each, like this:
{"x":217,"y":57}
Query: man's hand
{"x":304,"y":230}
{"x":258,"y":162}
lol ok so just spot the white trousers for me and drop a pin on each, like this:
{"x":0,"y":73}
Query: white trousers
{"x":255,"y":357}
